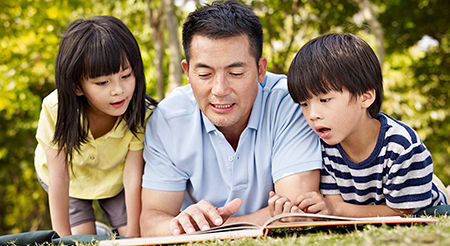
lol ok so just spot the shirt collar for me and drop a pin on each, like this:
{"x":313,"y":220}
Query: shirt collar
{"x":118,"y":131}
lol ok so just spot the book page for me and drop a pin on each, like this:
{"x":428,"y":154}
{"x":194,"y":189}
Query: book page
{"x":311,"y":219}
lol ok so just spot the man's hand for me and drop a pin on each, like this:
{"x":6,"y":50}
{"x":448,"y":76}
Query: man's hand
{"x":202,"y":216}
{"x":314,"y":202}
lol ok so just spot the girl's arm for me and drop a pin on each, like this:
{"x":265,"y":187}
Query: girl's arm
{"x":58,"y":191}
{"x":132,"y":179}
{"x":341,"y":208}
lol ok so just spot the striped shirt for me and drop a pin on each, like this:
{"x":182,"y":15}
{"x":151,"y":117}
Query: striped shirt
{"x":398,"y":173}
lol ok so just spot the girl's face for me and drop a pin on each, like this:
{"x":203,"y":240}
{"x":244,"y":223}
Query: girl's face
{"x":109,"y":95}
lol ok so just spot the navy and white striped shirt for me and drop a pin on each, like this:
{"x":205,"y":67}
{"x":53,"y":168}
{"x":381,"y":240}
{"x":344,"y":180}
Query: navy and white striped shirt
{"x":398,"y":173}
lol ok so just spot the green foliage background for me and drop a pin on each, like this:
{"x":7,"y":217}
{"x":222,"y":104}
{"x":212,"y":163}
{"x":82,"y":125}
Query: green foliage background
{"x":416,"y":81}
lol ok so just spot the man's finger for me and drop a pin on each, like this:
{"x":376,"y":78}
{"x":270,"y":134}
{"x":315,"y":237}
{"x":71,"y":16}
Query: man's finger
{"x":229,"y":209}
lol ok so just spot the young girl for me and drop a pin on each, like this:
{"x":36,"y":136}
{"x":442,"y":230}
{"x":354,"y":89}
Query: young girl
{"x":90,"y":131}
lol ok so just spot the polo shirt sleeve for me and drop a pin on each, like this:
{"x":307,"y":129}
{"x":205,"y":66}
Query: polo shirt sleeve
{"x":160,"y":173}
{"x":47,"y":121}
{"x":296,"y":147}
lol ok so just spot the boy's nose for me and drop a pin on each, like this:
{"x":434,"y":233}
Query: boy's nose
{"x":314,"y":113}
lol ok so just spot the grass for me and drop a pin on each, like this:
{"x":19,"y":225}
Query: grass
{"x":429,"y":234}
{"x":417,"y":234}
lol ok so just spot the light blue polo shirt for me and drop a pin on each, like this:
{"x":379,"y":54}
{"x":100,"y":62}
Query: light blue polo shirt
{"x":185,"y":151}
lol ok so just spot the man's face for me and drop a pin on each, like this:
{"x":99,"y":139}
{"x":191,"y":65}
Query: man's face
{"x":224,"y":78}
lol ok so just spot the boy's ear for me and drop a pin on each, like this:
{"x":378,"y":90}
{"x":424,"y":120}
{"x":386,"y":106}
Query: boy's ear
{"x":367,"y":98}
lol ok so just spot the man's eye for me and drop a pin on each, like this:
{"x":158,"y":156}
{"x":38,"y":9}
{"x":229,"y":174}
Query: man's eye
{"x":236,"y":74}
{"x":204,"y":75}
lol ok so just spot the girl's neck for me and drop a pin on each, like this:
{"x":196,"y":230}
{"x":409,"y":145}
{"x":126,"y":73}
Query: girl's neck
{"x":361,"y":143}
{"x":100,"y":123}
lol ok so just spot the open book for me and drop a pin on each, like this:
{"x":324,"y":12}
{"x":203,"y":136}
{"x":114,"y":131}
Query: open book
{"x":242,"y":230}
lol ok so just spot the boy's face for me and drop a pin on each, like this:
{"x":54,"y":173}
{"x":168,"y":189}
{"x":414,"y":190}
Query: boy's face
{"x":336,"y":116}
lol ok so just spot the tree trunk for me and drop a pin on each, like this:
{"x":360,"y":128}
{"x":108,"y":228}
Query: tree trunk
{"x":155,"y":18}
{"x":375,"y":27}
{"x":175,"y":72}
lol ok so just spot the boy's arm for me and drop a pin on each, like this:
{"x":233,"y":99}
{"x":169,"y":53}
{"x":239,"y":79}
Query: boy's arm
{"x":341,"y":208}
{"x":58,"y":191}
{"x":132,"y":179}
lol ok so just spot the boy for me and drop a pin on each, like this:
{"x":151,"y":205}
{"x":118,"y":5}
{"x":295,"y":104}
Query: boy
{"x":373,"y":165}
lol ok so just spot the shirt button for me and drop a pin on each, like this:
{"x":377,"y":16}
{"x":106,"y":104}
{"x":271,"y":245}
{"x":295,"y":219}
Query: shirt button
{"x":230,"y":158}
{"x":216,"y":133}
{"x":91,"y":157}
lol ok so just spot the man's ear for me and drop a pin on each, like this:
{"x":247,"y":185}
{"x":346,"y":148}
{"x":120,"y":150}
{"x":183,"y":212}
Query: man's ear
{"x":367,"y":98}
{"x":262,"y":68}
{"x":185,"y":66}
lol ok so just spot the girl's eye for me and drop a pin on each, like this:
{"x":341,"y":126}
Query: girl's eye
{"x":101,"y":83}
{"x":126,"y":76}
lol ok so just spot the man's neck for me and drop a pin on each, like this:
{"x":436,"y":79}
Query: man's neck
{"x":232,"y":135}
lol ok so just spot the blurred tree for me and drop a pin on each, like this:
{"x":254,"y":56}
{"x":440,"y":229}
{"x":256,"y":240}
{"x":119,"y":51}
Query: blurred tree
{"x":155,"y":18}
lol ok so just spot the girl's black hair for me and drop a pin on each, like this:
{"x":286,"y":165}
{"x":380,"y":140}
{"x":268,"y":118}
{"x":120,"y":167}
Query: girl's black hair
{"x":333,"y":62}
{"x":98,"y":46}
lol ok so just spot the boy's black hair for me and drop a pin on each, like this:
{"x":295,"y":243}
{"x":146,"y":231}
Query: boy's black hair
{"x":222,"y":20}
{"x":333,"y":62}
{"x":98,"y":46}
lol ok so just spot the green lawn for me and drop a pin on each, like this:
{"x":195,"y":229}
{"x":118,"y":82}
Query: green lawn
{"x":429,"y":234}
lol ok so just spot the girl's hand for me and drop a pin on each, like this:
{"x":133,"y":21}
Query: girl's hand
{"x":314,"y":202}
{"x":279,"y":204}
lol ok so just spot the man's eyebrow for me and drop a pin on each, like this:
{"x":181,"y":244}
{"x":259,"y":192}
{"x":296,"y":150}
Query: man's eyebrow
{"x":236,"y":64}
{"x":201,"y":65}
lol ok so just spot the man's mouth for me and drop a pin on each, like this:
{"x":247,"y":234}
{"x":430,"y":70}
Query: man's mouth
{"x":222,"y":106}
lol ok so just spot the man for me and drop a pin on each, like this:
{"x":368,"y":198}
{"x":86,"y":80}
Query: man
{"x":216,"y":147}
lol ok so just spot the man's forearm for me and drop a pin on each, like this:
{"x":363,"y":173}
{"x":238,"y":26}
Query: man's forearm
{"x":155,"y":223}
{"x":259,"y":217}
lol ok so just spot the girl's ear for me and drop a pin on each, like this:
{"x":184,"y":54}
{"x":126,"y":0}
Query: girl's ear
{"x":78,"y":91}
{"x":367,"y":98}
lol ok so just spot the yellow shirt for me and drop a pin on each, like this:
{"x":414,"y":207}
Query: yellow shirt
{"x":98,"y":167}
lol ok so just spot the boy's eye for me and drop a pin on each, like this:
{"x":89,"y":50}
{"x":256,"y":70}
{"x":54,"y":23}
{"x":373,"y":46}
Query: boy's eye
{"x":303,"y":104}
{"x":325,"y":100}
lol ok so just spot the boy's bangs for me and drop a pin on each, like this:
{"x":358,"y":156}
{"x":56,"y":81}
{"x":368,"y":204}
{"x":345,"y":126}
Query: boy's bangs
{"x":102,"y":56}
{"x":315,"y":84}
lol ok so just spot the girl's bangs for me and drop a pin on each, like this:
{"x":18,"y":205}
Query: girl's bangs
{"x":103,"y":56}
